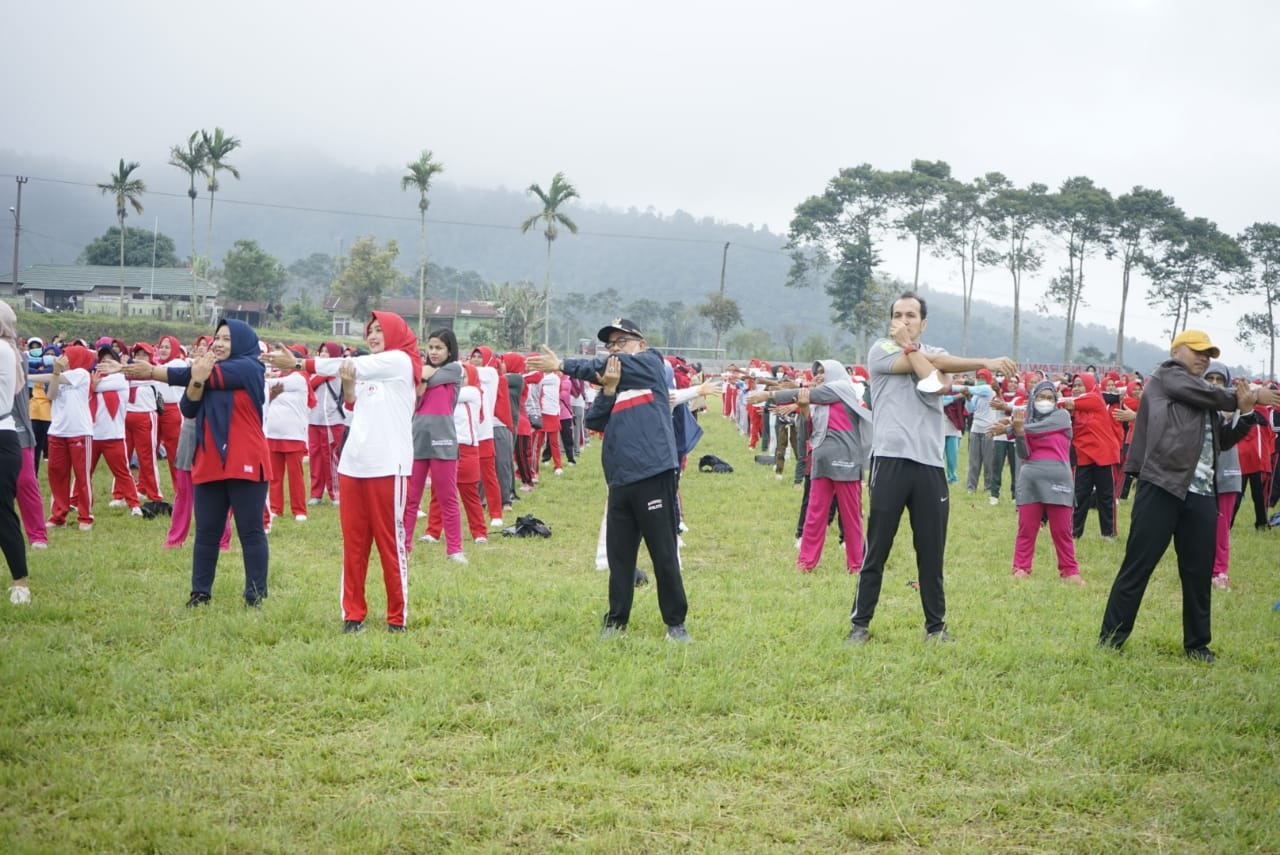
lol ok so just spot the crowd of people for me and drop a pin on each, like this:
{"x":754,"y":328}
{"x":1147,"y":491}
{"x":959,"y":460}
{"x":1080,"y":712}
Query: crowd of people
{"x":1073,"y":443}
{"x":385,"y":426}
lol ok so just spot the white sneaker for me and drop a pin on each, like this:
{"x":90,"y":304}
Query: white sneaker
{"x":682,"y":527}
{"x":40,"y":544}
{"x":422,"y":514}
{"x":116,"y":503}
{"x":426,"y":538}
{"x":559,"y":472}
{"x":300,"y":518}
{"x":993,"y":501}
{"x":335,"y":503}
{"x":459,"y":558}
{"x":313,"y":502}
{"x":482,"y":540}
{"x":20,"y":595}
{"x":496,"y":523}
{"x":135,"y":512}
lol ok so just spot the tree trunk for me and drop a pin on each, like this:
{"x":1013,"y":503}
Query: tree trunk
{"x":122,"y":264}
{"x":422,"y":280}
{"x":1124,"y":301}
{"x":195,"y":292}
{"x":1271,"y":325}
{"x":546,"y":299}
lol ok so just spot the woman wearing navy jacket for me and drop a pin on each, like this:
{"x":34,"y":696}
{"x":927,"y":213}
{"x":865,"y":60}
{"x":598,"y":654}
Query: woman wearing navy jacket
{"x":225,"y":393}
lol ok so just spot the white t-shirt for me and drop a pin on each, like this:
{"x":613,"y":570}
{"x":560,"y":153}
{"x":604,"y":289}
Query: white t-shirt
{"x":380,"y":430}
{"x":286,"y":416}
{"x":106,"y":426}
{"x":69,"y":412}
{"x":488,"y":400}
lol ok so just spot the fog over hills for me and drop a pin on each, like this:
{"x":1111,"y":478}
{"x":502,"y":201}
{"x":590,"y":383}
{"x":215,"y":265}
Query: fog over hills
{"x":297,"y":204}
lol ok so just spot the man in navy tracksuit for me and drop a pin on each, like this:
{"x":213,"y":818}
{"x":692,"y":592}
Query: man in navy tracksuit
{"x":640,"y":466}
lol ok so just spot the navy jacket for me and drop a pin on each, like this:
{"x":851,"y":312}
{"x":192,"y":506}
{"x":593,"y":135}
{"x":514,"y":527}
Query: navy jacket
{"x":639,"y":441}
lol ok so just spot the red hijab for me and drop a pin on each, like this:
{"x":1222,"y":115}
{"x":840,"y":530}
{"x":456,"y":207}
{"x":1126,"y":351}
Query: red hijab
{"x":396,"y":335}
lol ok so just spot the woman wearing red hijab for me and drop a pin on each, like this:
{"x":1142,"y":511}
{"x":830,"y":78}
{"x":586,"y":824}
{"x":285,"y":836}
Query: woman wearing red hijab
{"x":1096,"y":437}
{"x":377,"y":459}
{"x":70,"y":435}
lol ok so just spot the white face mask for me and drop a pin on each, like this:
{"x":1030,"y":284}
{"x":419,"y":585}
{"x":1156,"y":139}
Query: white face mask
{"x":1045,"y":407}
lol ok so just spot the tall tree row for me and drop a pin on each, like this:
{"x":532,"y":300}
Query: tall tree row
{"x":834,"y":241}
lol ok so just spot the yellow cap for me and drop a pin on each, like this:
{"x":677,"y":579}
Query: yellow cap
{"x":1197,"y":340}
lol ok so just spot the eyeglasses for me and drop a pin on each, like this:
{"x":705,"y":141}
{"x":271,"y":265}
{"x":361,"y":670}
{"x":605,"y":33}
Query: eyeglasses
{"x":617,"y":343}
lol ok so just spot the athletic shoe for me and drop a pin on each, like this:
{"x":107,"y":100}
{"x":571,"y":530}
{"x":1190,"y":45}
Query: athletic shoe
{"x":612,"y":631}
{"x":395,"y":627}
{"x":940,"y":636}
{"x":1202,"y":654}
{"x":300,"y":518}
{"x":135,"y":512}
{"x":857,"y":635}
{"x":458,"y":558}
{"x":313,"y":502}
{"x":198,"y":599}
{"x":52,"y":524}
{"x":1109,"y":538}
{"x":426,"y":538}
{"x":335,"y":503}
{"x":116,"y":503}
{"x":496,"y":522}
{"x":682,"y":528}
{"x":350,"y":627}
{"x":993,"y":501}
{"x":482,"y":540}
{"x":679,"y":634}
{"x":1221,"y":582}
{"x":40,"y":544}
{"x":421,"y":514}
{"x":559,"y":472}
{"x":642,"y":578}
{"x":526,"y":488}
{"x":253,"y":602}
{"x":1074,"y":579}
{"x":20,"y":595}
{"x":602,"y":564}
{"x":86,"y":526}
{"x":1021,"y":574}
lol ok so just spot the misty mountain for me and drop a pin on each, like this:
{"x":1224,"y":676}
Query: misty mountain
{"x":301,"y":204}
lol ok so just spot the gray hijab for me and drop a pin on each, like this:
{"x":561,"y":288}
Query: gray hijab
{"x":1045,"y":423}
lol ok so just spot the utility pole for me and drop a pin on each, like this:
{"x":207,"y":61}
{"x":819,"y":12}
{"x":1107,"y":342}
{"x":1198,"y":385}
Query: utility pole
{"x":724,"y":261}
{"x":17,"y":229}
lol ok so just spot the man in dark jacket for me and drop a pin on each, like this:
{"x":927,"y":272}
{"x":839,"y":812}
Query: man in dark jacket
{"x":640,"y":465}
{"x":1174,"y":453}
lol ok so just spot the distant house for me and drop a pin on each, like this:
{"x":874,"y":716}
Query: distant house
{"x":464,"y":321}
{"x":151,"y":292}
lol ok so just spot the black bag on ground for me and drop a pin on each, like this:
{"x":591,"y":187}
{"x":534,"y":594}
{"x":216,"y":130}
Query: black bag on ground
{"x":711,"y":463}
{"x":528,"y":526}
{"x":151,"y":510}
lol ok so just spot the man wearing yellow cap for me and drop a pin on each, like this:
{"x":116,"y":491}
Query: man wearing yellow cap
{"x":1173,"y":453}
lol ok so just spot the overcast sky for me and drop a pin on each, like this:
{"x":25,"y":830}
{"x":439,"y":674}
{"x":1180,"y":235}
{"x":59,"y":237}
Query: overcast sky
{"x":734,"y":110}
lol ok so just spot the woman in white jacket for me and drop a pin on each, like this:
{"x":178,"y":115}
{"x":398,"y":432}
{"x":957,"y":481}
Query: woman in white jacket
{"x":373,"y":473}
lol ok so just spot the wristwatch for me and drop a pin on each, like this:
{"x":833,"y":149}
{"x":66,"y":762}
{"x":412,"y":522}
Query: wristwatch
{"x":197,"y":384}
{"x":911,"y":348}
{"x":297,"y":365}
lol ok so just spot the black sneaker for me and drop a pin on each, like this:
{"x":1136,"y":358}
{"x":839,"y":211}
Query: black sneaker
{"x":940,"y":636}
{"x":198,"y":599}
{"x":254,"y":601}
{"x":349,"y":626}
{"x":612,"y":631}
{"x":858,"y":635}
{"x":642,"y":578}
{"x":395,"y":627}
{"x":679,"y":634}
{"x":1202,"y":654}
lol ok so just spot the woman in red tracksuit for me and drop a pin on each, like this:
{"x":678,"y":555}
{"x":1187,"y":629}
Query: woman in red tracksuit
{"x":140,"y":429}
{"x":1256,"y":450}
{"x":1096,"y":438}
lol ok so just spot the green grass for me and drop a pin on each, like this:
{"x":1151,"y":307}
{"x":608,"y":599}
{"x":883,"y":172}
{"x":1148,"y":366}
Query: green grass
{"x":500,"y":721}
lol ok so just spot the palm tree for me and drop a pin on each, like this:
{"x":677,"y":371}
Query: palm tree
{"x":419,"y":178}
{"x":126,"y":190}
{"x":217,"y":147}
{"x":191,"y":160}
{"x":558,"y":193}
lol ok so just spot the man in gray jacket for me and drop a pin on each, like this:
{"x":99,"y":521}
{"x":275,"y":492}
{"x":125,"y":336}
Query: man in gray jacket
{"x":1177,"y":437}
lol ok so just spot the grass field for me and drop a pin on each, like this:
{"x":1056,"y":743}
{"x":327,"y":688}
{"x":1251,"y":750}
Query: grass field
{"x":500,"y":722}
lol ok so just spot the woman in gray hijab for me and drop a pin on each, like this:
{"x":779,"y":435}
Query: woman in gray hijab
{"x":840,"y":442}
{"x":1042,"y":434}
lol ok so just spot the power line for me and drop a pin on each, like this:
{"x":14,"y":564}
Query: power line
{"x":339,"y":212}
